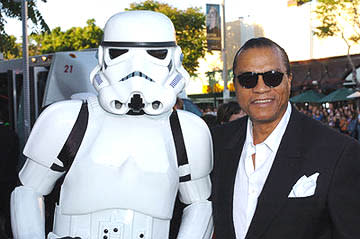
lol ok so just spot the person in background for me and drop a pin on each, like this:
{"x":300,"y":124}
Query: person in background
{"x":179,"y":105}
{"x":317,"y":115}
{"x":352,"y":126}
{"x":343,"y":124}
{"x":210,"y":109}
{"x":228,"y":112}
{"x":209,"y":119}
{"x":358,"y":125}
{"x":337,"y":121}
{"x":9,"y":151}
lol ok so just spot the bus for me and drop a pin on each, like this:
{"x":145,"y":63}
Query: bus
{"x":52,"y":77}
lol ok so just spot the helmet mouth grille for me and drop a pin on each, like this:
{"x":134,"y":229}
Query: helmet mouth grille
{"x":136,"y":103}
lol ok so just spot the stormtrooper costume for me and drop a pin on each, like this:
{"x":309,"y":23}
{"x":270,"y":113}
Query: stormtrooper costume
{"x":123,"y":158}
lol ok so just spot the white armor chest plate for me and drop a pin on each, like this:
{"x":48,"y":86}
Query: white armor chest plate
{"x":124,"y":162}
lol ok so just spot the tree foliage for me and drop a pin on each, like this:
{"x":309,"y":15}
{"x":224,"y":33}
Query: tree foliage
{"x":9,"y":47}
{"x":12,"y":9}
{"x":189,"y":25}
{"x":76,"y":38}
{"x":190,"y":30}
{"x":339,"y":18}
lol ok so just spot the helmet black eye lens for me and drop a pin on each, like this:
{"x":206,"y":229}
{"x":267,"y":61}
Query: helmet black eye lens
{"x":160,"y":54}
{"x":113,"y":53}
{"x":250,"y":79}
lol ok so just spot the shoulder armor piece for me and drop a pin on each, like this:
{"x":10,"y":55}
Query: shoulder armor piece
{"x":51,"y":131}
{"x":198,"y":144}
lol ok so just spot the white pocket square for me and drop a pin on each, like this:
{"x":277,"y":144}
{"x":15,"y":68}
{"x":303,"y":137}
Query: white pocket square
{"x":304,"y":187}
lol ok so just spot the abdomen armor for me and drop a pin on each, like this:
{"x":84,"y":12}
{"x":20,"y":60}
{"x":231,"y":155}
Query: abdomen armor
{"x":125,"y":167}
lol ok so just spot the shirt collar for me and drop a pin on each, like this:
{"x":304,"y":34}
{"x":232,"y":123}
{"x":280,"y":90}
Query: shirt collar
{"x":274,"y":139}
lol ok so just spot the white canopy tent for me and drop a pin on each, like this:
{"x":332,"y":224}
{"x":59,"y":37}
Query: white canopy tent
{"x":356,"y":94}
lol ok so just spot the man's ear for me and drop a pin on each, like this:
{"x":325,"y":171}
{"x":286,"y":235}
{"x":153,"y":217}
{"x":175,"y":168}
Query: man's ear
{"x":234,"y":80}
{"x":290,"y":77}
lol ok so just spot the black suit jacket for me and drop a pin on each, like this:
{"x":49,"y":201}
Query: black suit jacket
{"x":307,"y":147}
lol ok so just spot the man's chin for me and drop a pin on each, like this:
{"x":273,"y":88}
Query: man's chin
{"x":263,"y":119}
{"x":266,"y":116}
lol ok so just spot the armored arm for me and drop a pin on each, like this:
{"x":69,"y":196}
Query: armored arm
{"x":195,"y":185}
{"x":38,"y":177}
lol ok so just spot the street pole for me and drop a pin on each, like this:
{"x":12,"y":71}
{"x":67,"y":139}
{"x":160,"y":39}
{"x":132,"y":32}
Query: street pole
{"x":226,"y":93}
{"x":26,"y":82}
{"x":311,"y":31}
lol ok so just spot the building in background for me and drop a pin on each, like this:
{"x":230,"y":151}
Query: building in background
{"x":290,"y":25}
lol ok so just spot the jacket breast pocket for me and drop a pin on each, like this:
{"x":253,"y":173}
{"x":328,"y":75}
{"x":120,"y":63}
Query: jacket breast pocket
{"x":304,"y":205}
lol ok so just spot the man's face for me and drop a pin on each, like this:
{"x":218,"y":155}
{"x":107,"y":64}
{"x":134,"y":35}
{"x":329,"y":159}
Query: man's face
{"x":262,"y":103}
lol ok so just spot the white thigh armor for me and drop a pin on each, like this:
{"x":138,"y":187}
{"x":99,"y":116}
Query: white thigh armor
{"x":124,"y":178}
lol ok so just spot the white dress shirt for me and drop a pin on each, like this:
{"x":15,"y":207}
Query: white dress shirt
{"x":249,"y":181}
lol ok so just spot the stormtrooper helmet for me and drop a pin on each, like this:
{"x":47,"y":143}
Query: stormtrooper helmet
{"x":140,"y":66}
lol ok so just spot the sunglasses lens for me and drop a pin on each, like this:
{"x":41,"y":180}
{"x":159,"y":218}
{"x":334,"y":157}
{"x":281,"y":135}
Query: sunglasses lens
{"x":248,"y":80}
{"x":273,"y":78}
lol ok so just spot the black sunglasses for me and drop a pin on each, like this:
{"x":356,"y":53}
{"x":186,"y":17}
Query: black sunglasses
{"x":250,"y":79}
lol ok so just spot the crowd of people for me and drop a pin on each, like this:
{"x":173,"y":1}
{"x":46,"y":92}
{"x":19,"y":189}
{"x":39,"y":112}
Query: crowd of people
{"x":342,"y":117}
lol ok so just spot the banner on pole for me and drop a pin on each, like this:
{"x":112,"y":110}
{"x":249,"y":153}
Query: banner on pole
{"x":213,"y":27}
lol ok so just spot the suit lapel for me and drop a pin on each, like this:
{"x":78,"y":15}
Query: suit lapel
{"x":235,"y":137}
{"x":281,"y":178}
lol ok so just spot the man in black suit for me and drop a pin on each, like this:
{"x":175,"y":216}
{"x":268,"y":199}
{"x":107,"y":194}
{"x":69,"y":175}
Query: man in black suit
{"x":277,"y":173}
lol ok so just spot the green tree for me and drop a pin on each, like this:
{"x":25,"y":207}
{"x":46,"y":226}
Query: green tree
{"x":9,"y":8}
{"x":9,"y":47}
{"x":190,"y":30}
{"x":76,"y":38}
{"x":339,"y":18}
